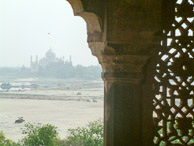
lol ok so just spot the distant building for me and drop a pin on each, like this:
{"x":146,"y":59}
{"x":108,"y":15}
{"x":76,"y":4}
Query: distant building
{"x":34,"y":65}
{"x":49,"y":59}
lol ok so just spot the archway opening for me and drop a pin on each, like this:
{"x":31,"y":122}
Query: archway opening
{"x":62,"y":98}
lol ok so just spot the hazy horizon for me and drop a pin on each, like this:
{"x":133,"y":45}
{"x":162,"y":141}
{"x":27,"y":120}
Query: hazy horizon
{"x":31,"y":27}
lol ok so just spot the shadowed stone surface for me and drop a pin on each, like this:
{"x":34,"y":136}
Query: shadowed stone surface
{"x":125,"y":36}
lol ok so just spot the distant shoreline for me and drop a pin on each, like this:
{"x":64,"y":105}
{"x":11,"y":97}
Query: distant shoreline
{"x":44,"y":97}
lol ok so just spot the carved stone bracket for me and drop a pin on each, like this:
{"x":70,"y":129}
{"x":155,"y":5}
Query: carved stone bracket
{"x":121,"y":63}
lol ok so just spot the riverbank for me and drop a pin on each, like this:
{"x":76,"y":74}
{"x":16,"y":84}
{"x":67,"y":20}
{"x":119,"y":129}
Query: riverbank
{"x":62,"y":114}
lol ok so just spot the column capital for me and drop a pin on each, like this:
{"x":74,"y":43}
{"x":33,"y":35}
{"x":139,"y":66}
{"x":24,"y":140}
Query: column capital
{"x":120,"y":61}
{"x":125,"y":68}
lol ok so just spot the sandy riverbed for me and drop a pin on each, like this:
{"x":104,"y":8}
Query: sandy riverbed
{"x":63,"y":114}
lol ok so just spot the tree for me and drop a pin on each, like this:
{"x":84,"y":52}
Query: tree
{"x":92,"y":135}
{"x":6,"y":142}
{"x":39,"y":135}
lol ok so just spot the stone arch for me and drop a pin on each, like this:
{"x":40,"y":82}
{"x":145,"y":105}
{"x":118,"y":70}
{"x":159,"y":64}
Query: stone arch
{"x":92,"y":20}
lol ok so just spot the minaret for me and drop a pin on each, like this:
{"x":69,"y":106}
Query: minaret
{"x":63,"y":59}
{"x":70,"y":61}
{"x":36,"y":59}
{"x":70,"y":58}
{"x":31,"y":62}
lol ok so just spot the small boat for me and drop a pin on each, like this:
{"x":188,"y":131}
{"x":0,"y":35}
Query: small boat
{"x":19,"y":120}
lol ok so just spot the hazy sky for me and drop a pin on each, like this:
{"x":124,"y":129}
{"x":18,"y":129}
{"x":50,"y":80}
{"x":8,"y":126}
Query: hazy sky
{"x":24,"y":28}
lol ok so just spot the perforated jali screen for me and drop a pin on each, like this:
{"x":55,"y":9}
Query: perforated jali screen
{"x":174,"y":79}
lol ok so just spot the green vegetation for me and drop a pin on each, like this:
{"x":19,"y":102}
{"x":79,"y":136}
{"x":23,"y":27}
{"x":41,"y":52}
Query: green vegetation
{"x":46,"y":135}
{"x":39,"y":135}
{"x":6,"y":142}
{"x":92,"y":135}
{"x":173,"y":139}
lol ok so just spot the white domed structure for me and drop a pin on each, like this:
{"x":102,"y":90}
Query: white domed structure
{"x":50,"y":55}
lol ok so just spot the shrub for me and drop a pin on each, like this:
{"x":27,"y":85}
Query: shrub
{"x":6,"y":142}
{"x":92,"y":135}
{"x":39,"y":135}
{"x":46,"y":135}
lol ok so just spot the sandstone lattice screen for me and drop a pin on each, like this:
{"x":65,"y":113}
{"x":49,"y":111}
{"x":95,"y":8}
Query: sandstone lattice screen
{"x":174,"y":78}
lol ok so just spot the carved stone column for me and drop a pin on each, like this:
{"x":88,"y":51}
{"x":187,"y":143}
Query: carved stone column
{"x":123,"y":76}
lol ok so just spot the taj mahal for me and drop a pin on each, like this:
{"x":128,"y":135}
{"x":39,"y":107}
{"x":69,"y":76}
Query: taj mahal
{"x":49,"y":59}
